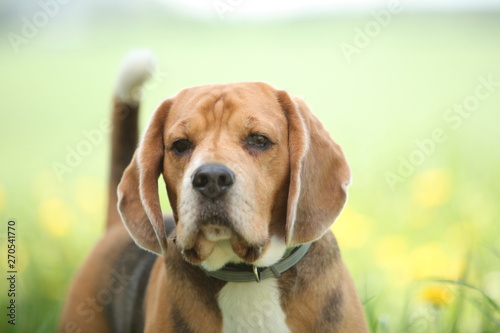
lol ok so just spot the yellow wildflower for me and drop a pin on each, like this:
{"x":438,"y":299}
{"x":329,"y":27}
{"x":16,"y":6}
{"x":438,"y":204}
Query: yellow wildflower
{"x":390,"y":252}
{"x":437,"y":294}
{"x":55,"y":216}
{"x":432,"y":187}
{"x":352,"y":229}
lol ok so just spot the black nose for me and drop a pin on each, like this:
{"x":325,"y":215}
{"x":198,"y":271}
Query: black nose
{"x":212,"y":180}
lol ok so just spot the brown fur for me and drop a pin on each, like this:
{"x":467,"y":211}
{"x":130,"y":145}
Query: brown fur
{"x":318,"y":294}
{"x":191,"y":297}
{"x":124,"y":137}
{"x":297,"y":188}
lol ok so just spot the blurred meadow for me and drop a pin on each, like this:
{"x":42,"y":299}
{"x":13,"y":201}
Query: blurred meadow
{"x":415,"y":104}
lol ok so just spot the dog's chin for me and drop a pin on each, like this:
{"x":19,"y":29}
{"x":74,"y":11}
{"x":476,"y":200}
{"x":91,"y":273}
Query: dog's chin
{"x":214,"y":248}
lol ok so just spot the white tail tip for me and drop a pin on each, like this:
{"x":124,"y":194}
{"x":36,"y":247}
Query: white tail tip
{"x":136,"y":68}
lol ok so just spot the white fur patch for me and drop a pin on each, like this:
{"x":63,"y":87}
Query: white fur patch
{"x":252,"y":307}
{"x":136,"y":68}
{"x":223,"y":254}
{"x":274,"y":253}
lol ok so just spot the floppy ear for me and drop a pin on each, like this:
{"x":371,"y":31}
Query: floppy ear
{"x":319,"y":174}
{"x":138,"y":201}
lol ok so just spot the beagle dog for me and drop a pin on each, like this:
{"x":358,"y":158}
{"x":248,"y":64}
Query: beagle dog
{"x":254,"y":182}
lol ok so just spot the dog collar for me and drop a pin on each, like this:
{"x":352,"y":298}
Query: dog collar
{"x":250,"y":273}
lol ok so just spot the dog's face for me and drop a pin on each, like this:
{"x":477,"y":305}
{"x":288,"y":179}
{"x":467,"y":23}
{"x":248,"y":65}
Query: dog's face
{"x":226,"y":170}
{"x":248,"y":172}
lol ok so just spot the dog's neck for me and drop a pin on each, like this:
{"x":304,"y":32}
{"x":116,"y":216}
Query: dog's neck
{"x":250,"y":273}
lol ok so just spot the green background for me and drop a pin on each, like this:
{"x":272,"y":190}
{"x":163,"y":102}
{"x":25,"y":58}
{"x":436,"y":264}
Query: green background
{"x":439,"y":221}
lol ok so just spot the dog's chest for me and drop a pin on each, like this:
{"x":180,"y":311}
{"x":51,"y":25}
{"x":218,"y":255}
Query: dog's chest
{"x":252,"y":307}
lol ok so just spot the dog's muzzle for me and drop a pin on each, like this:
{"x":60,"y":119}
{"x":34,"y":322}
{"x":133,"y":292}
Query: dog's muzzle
{"x":212,"y":181}
{"x":214,"y":212}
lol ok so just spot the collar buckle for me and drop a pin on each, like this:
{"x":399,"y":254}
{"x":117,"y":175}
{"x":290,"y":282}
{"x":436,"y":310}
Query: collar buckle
{"x":256,"y":273}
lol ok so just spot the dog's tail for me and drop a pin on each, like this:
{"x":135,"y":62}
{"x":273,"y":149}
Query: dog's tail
{"x":136,"y":68}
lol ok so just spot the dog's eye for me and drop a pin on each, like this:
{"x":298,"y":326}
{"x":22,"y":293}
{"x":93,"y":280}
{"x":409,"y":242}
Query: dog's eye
{"x":182,"y":146}
{"x":258,"y":141}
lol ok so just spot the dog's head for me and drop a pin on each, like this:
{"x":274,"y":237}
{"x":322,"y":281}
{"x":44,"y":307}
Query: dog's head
{"x":249,"y":171}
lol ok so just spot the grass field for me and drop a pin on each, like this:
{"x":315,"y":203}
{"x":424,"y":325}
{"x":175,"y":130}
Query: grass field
{"x":416,"y":112}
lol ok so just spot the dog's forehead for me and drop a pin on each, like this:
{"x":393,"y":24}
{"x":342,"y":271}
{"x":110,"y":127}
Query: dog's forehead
{"x":251,"y":98}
